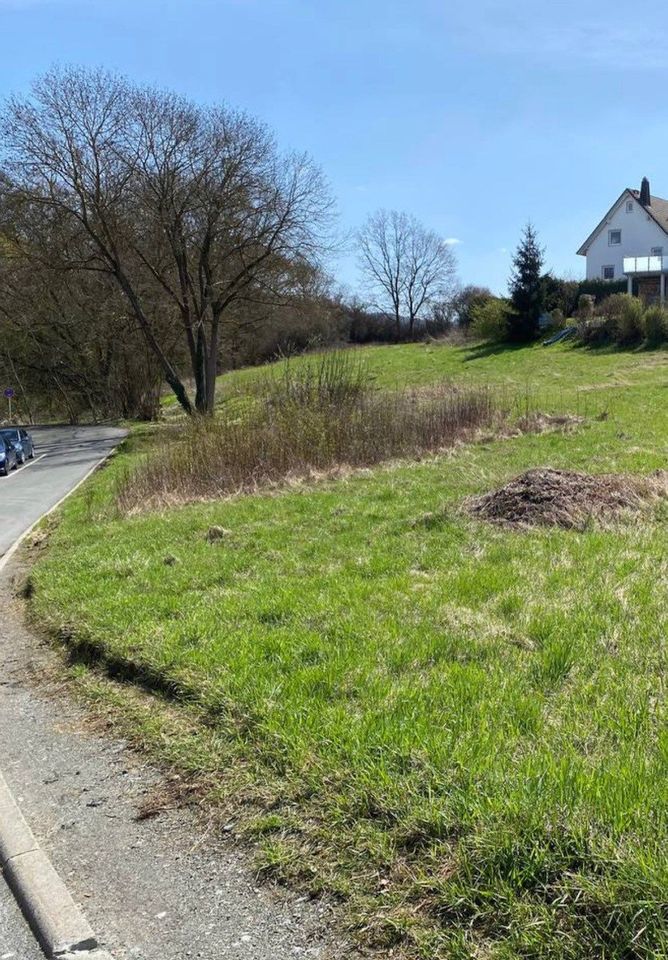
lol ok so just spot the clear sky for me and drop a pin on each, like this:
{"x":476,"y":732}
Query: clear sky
{"x":474,"y":116}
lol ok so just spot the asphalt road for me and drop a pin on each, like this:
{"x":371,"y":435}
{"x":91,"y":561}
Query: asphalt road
{"x":16,"y":940}
{"x":63,"y":455}
{"x":172,"y":887}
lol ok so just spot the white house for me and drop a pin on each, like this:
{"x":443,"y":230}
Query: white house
{"x":631,"y":242}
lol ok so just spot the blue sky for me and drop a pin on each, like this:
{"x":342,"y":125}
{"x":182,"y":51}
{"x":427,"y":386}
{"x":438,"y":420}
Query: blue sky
{"x":475,"y":117}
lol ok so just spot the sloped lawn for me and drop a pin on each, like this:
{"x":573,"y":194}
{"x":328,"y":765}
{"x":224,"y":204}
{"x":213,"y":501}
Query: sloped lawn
{"x":459,"y":729}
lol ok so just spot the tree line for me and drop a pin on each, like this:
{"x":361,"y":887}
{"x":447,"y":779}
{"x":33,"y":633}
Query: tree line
{"x":146,"y":240}
{"x":149,"y":242}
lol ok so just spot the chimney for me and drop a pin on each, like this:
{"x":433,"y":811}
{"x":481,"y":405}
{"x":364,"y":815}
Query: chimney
{"x":645,"y":198}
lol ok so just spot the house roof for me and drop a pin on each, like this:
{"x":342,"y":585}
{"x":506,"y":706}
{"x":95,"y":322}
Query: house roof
{"x":657,"y":210}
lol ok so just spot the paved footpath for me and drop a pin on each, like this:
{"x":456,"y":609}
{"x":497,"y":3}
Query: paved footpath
{"x":156,"y":889}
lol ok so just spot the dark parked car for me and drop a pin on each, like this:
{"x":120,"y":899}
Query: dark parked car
{"x":8,"y":458}
{"x":22,"y":442}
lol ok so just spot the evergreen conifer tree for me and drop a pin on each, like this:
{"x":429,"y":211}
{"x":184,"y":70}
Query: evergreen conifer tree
{"x":526,"y":288}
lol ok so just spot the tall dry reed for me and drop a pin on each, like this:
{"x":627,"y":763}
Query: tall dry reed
{"x":312,"y":416}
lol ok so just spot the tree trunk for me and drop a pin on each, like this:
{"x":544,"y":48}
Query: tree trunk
{"x":212,"y":366}
{"x":170,"y":374}
{"x":179,"y":392}
{"x":200,"y":371}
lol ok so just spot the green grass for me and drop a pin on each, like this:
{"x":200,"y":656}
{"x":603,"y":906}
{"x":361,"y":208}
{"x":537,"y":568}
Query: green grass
{"x":458,"y":729}
{"x":560,"y":376}
{"x":560,"y":369}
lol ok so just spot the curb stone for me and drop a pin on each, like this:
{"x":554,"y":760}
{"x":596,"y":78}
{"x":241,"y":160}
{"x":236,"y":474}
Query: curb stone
{"x":55,"y":919}
{"x":58,"y":924}
{"x":15,"y":835}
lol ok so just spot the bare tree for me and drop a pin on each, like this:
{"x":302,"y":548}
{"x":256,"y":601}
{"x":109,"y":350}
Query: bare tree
{"x":160,"y":193}
{"x":407,"y":268}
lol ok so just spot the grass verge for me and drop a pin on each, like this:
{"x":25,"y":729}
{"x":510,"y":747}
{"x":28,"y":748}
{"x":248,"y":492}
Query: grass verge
{"x":459,"y":729}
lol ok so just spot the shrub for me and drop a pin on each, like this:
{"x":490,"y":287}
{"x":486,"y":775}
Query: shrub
{"x":558,"y":320}
{"x":560,"y":294}
{"x":612,"y":306}
{"x":630,"y":327}
{"x":585,"y":308}
{"x":466,"y":301}
{"x":624,"y":320}
{"x":602,"y":289}
{"x":313,"y":416}
{"x":596,"y":332}
{"x":619,"y":319}
{"x":656,"y":326}
{"x":490,"y":319}
{"x":565,"y":294}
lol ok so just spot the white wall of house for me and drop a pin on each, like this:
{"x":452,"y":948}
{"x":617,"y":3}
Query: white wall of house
{"x":639,"y":235}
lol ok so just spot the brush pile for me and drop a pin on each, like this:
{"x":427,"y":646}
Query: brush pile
{"x":562,"y":498}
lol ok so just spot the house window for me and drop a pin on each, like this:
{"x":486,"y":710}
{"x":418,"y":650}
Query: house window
{"x":629,"y":206}
{"x":614,"y":238}
{"x":608,"y":273}
{"x":657,"y":251}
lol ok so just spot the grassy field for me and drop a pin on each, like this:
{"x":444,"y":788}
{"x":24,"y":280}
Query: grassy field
{"x":559,"y":377}
{"x":456,"y":728}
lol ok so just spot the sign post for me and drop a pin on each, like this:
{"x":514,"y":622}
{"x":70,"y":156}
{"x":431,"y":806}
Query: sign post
{"x":9,"y":393}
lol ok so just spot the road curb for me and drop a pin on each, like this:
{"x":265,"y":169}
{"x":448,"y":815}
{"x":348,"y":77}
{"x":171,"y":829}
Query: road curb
{"x":57,"y":922}
{"x":16,"y":837}
{"x":55,"y":919}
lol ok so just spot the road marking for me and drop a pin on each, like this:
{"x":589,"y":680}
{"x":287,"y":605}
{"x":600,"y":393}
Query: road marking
{"x":25,"y":466}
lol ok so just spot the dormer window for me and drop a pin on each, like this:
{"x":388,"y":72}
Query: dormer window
{"x":614,"y":238}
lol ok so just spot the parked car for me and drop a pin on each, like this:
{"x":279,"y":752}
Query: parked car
{"x":22,"y":442}
{"x":8,"y":458}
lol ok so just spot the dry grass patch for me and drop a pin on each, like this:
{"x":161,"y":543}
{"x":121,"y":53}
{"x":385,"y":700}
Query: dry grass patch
{"x":307,"y":420}
{"x":537,"y":422}
{"x":546,"y":497}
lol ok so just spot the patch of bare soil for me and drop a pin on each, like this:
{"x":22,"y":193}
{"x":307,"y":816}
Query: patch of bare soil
{"x":562,"y":498}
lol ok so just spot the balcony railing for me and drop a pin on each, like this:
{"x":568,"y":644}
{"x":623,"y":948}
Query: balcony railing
{"x":645,"y":264}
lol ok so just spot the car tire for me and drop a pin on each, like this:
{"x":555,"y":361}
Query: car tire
{"x":5,"y":469}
